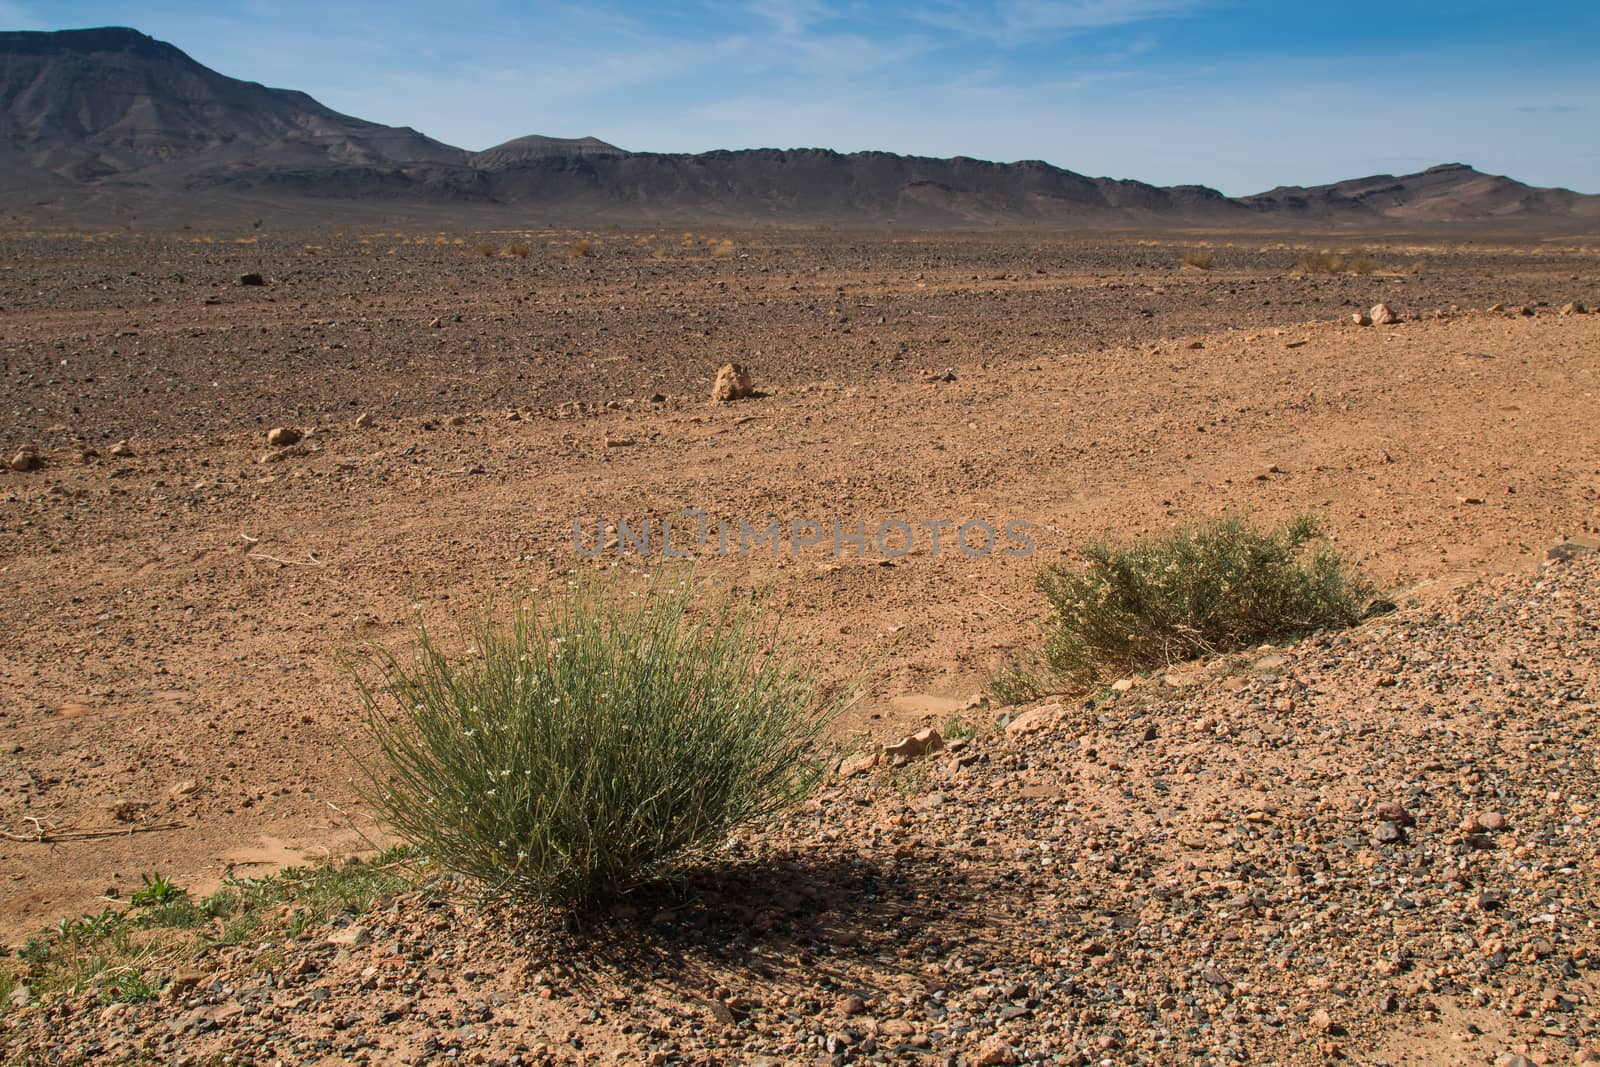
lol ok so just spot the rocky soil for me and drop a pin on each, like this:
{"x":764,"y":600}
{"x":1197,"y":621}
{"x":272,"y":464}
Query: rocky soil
{"x":176,"y":591}
{"x":116,"y":335}
{"x":1380,"y":846}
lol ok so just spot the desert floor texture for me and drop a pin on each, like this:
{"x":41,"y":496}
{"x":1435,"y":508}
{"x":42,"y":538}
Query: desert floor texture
{"x":1184,"y":870}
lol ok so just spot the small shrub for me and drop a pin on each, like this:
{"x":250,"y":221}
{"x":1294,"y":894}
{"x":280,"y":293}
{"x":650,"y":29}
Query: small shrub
{"x":594,"y":743}
{"x":519,"y":251}
{"x":156,"y":889}
{"x":1198,"y":260}
{"x":1320,"y":263}
{"x":1015,"y":683}
{"x":722,"y":249}
{"x":1214,"y":588}
{"x":582,"y":249}
{"x":310,"y":250}
{"x":1333,"y":263}
{"x":486,"y":249}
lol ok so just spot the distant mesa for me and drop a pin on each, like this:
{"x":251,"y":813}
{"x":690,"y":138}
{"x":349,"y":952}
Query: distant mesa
{"x":534,"y":147}
{"x":108,"y":122}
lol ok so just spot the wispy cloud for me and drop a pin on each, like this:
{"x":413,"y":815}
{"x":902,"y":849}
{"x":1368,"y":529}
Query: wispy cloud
{"x":1015,"y":22}
{"x":1551,"y":109}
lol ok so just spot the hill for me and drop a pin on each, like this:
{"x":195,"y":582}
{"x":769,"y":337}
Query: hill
{"x":111,"y":121}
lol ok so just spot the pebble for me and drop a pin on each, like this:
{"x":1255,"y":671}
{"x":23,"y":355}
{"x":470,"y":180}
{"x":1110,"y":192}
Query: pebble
{"x":1491,"y":822}
{"x":352,"y":936}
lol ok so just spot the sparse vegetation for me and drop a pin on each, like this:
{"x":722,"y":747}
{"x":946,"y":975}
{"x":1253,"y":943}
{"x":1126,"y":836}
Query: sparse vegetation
{"x":722,"y":249}
{"x":517,"y":251}
{"x":1198,"y":259}
{"x":487,"y":249}
{"x":1017,"y":682}
{"x":1333,"y":263}
{"x":958,"y":725}
{"x":1212,"y":588}
{"x":595,"y":742}
{"x":583,"y":248}
{"x":132,"y":953}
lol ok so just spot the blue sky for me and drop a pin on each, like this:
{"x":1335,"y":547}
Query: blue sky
{"x":1238,"y":94}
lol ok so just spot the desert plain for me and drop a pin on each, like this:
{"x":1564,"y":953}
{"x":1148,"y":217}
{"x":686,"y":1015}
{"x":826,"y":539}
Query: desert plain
{"x":1181,"y":869}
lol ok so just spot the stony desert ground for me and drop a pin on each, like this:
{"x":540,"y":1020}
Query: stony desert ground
{"x":1187,"y":869}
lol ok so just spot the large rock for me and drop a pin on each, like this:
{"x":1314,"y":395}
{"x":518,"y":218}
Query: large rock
{"x":1383,"y":315}
{"x":922,"y":743}
{"x":282,"y":436}
{"x":733,"y":383}
{"x":25,"y":459}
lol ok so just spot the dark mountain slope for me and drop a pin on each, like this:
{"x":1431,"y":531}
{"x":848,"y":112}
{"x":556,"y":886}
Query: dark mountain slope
{"x":110,"y":120}
{"x":87,"y":105}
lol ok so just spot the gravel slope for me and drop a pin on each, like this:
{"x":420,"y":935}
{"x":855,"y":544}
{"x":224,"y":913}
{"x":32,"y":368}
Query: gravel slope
{"x":1380,"y":845}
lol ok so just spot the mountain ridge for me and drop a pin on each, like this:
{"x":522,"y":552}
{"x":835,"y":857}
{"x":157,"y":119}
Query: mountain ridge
{"x":113,"y":118}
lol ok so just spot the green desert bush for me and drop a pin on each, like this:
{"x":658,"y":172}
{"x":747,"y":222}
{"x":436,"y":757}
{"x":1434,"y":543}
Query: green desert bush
{"x":595,"y":741}
{"x":1212,"y":588}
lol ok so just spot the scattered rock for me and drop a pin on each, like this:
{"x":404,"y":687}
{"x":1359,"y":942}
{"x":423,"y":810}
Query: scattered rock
{"x":353,"y":936}
{"x":859,"y":764}
{"x":122,"y":450}
{"x":1389,"y":833}
{"x":1495,"y":309}
{"x":26,"y":458}
{"x":1034,"y":720}
{"x":1490,"y":822}
{"x":1573,"y":308}
{"x":252,"y":278}
{"x":1360,"y":318}
{"x":1383,"y":315}
{"x":995,"y":1053}
{"x":852,"y":1006}
{"x":282,"y":436}
{"x":186,"y":787}
{"x":1389,"y":811}
{"x":922,"y":743}
{"x":184,"y":979}
{"x":125,"y":810}
{"x":364,"y":421}
{"x":1512,"y":1059}
{"x":733,"y":383}
{"x":1378,"y":606}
